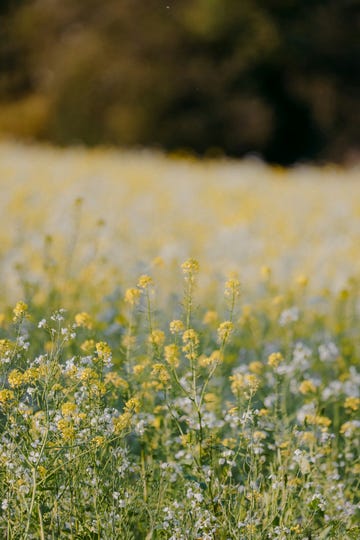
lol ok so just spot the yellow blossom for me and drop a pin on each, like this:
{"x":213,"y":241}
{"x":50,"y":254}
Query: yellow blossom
{"x":88,"y":375}
{"x":302,"y":280}
{"x":176,"y":326}
{"x":122,"y":422}
{"x":132,"y":296}
{"x":133,"y":404}
{"x":275,"y":359}
{"x":265,"y":272}
{"x":20,"y":311}
{"x":191,"y":341}
{"x":352,"y":403}
{"x":259,"y":435}
{"x":348,"y":428}
{"x":308,"y":437}
{"x":256,"y":367}
{"x":113,"y":378}
{"x":157,"y":338}
{"x":210,"y":317}
{"x":103,"y":350}
{"x":232,"y":288}
{"x":138,"y":369}
{"x":251,"y":381}
{"x":15,"y":378}
{"x":237,"y":382}
{"x":98,"y":440}
{"x":88,"y":345}
{"x":214,"y":358}
{"x":145,"y":282}
{"x":190,"y":267}
{"x":68,"y":409}
{"x":318,"y":420}
{"x":224,"y":331}
{"x":66,"y":429}
{"x":6,"y":396}
{"x":171,"y":353}
{"x":83,"y":320}
{"x":160,"y":372}
{"x":307,"y":387}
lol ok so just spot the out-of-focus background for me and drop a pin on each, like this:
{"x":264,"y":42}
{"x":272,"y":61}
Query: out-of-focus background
{"x":272,"y":77}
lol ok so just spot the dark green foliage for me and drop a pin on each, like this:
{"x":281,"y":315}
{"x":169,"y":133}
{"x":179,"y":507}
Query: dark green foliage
{"x":277,"y":77}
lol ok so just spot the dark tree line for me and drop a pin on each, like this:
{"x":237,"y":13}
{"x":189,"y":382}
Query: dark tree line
{"x":276,"y":77}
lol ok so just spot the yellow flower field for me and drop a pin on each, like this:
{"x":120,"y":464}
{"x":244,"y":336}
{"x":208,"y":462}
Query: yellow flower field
{"x":179,"y":348}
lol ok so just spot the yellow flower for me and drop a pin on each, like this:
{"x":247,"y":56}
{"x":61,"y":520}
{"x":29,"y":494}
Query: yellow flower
{"x":113,"y":378}
{"x":256,"y":367}
{"x":224,"y":331}
{"x":103,"y":350}
{"x":66,"y":429}
{"x":307,"y":387}
{"x":308,"y":437}
{"x":265,"y":272}
{"x":88,"y":375}
{"x":68,"y":409}
{"x":145,"y":282}
{"x":15,"y":378}
{"x":214,"y":358}
{"x":244,"y":382}
{"x":98,"y":440}
{"x":190,"y":336}
{"x":20,"y":311}
{"x":157,"y":338}
{"x":237,"y":382}
{"x":352,"y":403}
{"x":176,"y":326}
{"x":251,"y":381}
{"x":133,"y":404}
{"x":349,"y":428}
{"x":132,"y":296}
{"x":30,"y":375}
{"x":232,"y":288}
{"x":138,"y":369}
{"x":275,"y":359}
{"x":161,"y":373}
{"x":171,"y":353}
{"x":210,"y":317}
{"x":191,"y":341}
{"x":5,"y":347}
{"x":190,"y":267}
{"x":317,"y":420}
{"x":83,"y":320}
{"x":122,"y":422}
{"x":302,"y":280}
{"x":6,"y":396}
{"x":259,"y":435}
{"x":88,"y":345}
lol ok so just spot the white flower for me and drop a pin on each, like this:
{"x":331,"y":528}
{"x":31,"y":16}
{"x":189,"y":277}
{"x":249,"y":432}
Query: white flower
{"x":288,"y":316}
{"x":328,"y":352}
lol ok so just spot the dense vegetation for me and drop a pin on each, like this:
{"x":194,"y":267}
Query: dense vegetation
{"x":147,"y":396}
{"x":276,"y":77}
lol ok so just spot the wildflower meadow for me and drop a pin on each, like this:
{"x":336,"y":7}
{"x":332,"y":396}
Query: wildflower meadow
{"x":179,"y":348}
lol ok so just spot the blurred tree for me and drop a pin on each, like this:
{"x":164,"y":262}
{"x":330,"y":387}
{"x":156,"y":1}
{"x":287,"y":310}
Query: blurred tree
{"x":276,"y":77}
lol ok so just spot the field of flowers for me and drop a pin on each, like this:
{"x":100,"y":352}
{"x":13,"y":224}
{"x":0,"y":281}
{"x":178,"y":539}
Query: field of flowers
{"x":179,"y":348}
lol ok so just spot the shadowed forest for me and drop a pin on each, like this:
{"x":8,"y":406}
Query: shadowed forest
{"x":276,"y":78}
